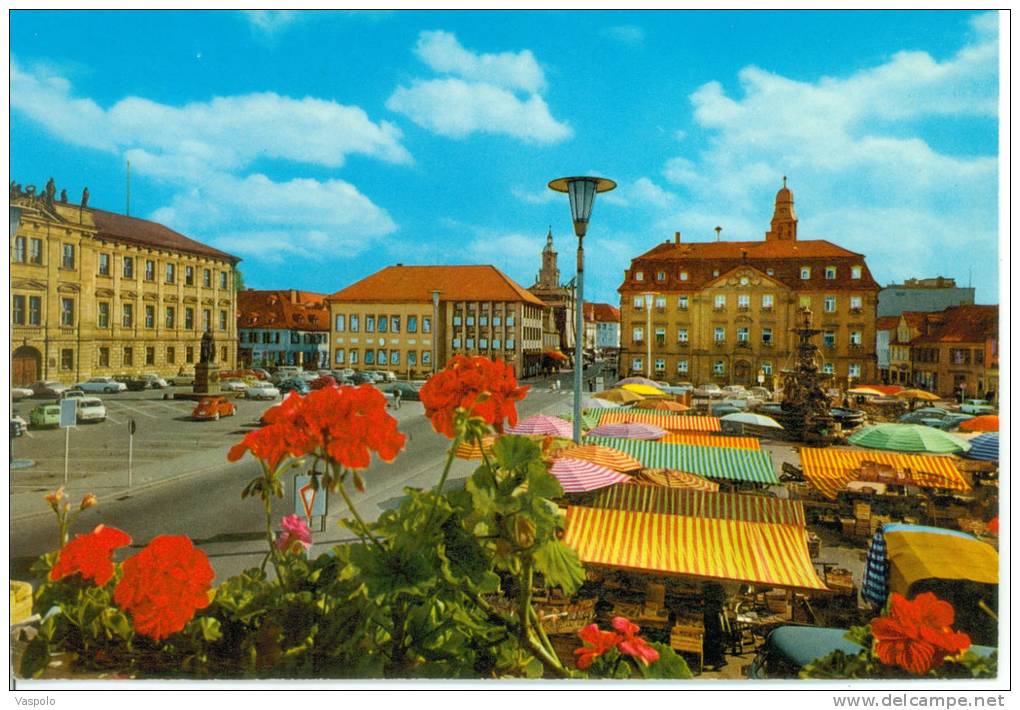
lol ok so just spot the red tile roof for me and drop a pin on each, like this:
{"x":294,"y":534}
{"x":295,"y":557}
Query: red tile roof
{"x":915,"y":319}
{"x":702,"y":259}
{"x":120,"y":227}
{"x":284,"y":309}
{"x":415,"y":284}
{"x":961,"y":324}
{"x":887,"y":323}
{"x":601,"y":313}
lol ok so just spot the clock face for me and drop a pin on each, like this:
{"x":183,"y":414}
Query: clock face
{"x":744,"y":281}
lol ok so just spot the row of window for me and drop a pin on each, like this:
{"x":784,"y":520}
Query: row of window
{"x":381,"y":356}
{"x":380,"y":324}
{"x":637,"y":364}
{"x":484,"y":343}
{"x":829,"y":303}
{"x":831,"y":272}
{"x":31,"y":251}
{"x":743,"y":336}
{"x":483,"y":321}
{"x":127,"y":356}
{"x":170,"y":317}
{"x":267,"y":337}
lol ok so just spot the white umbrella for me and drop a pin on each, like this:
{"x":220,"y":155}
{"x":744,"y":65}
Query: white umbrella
{"x":753,"y":419}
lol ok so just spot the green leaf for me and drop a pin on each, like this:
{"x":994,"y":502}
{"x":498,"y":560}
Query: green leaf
{"x":117,"y":623}
{"x":35,"y":658}
{"x":543,"y":484}
{"x":515,"y":453}
{"x":559,"y":565}
{"x":210,"y":628}
{"x":670,"y":665}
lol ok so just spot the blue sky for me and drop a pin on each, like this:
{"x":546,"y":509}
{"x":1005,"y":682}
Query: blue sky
{"x":322,"y":146}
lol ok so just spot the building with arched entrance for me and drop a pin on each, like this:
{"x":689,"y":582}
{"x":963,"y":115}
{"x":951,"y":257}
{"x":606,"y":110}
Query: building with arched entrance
{"x":98,"y":293}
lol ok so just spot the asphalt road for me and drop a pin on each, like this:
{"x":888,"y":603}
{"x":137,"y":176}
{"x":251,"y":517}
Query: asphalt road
{"x":207,"y":506}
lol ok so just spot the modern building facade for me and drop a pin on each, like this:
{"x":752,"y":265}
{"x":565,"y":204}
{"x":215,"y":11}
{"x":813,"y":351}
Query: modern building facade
{"x":559,"y":296}
{"x":723,"y":311}
{"x":284,"y":327}
{"x":924,"y":295}
{"x":99,"y":293}
{"x":413,"y":319}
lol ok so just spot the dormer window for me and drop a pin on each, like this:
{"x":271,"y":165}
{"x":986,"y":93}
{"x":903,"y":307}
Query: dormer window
{"x":639,"y":275}
{"x":683,"y":275}
{"x":855,"y":272}
{"x":770,"y":272}
{"x":805,"y":273}
{"x":715,"y":272}
{"x":660,"y":276}
{"x":830,"y":272}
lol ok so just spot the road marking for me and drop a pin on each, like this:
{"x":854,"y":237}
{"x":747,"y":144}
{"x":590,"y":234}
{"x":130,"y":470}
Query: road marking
{"x":113,"y":418}
{"x":138,"y":411}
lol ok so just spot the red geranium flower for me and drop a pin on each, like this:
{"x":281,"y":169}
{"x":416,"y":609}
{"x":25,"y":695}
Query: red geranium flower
{"x":993,"y":526}
{"x":597,"y":642}
{"x":917,"y":635}
{"x":481,"y":387}
{"x":632,"y":644}
{"x":91,"y":555}
{"x":164,"y":585}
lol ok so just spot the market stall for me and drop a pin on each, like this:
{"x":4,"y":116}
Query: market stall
{"x":735,"y":465}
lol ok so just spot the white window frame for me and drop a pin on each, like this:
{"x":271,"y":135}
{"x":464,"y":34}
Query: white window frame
{"x":639,"y":275}
{"x":681,"y":367}
{"x":639,"y":302}
{"x":744,"y":300}
{"x":805,"y":273}
{"x":855,"y":337}
{"x":681,"y":335}
{"x":856,"y":272}
{"x":767,"y":301}
{"x":720,"y":334}
{"x":854,"y":370}
{"x":829,"y":304}
{"x":830,"y":272}
{"x":682,"y":303}
{"x":720,"y":300}
{"x":719,"y":367}
{"x":660,"y":361}
{"x":637,"y":364}
{"x":637,"y":334}
{"x":683,"y":275}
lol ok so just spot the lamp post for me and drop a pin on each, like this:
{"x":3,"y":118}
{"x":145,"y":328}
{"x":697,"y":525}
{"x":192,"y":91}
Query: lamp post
{"x":648,"y":334}
{"x":582,"y":191}
{"x":435,"y":329}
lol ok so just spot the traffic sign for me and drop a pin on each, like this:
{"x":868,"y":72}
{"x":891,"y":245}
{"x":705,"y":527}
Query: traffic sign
{"x":309,"y":500}
{"x":68,"y":413}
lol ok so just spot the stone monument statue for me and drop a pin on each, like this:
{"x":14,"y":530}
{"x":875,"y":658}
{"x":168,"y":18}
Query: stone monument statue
{"x":207,"y":353}
{"x":207,"y":372}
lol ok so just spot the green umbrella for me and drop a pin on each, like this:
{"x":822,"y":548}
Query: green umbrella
{"x":908,"y":437}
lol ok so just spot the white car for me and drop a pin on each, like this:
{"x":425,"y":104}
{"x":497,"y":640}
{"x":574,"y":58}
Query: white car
{"x":18,"y":393}
{"x":107,"y":385}
{"x":233,"y":386}
{"x":709,"y":390}
{"x":91,"y":409}
{"x":734,"y":391}
{"x":976,"y":406}
{"x":261,"y":391}
{"x":183,"y":377}
{"x":72,"y":394}
{"x":154,"y":381}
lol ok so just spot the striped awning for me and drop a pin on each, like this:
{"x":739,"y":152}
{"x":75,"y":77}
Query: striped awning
{"x":726,"y":442}
{"x":602,"y":455}
{"x":469,"y":451}
{"x":663,"y":420}
{"x":673,"y":479}
{"x":711,"y":461}
{"x":698,"y":534}
{"x":829,"y":470}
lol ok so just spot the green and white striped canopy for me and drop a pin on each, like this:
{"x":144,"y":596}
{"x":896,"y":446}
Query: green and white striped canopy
{"x":710,"y":461}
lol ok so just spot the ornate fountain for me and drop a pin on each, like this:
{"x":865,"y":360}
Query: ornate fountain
{"x":805,"y":407}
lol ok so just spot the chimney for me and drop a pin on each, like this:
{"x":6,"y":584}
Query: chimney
{"x":293,"y":296}
{"x":718,"y":231}
{"x":677,"y":238}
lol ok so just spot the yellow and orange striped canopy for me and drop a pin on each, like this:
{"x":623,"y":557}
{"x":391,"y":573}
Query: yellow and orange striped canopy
{"x":726,"y":442}
{"x":697,"y":534}
{"x":669,"y":422}
{"x":829,"y":470}
{"x":602,"y":455}
{"x":673,"y":479}
{"x":471,"y":450}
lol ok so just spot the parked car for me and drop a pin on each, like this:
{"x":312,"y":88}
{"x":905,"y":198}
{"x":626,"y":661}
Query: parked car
{"x":262,"y":390}
{"x":919,"y":415}
{"x":47,"y":388}
{"x":761,"y":393}
{"x":213,"y":408}
{"x":19,"y":393}
{"x":408,"y":392}
{"x":91,"y":409}
{"x":154,"y":381}
{"x":708,"y":390}
{"x":344,"y":373}
{"x":18,"y":425}
{"x":294,"y":385}
{"x":977,"y":406}
{"x":951,"y":421}
{"x":45,"y":415}
{"x":134,"y":384}
{"x":388,"y":375}
{"x":233,"y":386}
{"x":106,"y":385}
{"x":183,"y":377}
{"x":362,"y":378}
{"x":376,"y":375}
{"x":72,"y":394}
{"x":286,"y":372}
{"x":735,"y":392}
{"x":261,"y":373}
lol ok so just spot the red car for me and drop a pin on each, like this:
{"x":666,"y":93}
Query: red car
{"x":213,"y":408}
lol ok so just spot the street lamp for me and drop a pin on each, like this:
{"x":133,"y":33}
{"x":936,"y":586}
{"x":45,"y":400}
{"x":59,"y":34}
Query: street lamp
{"x":435,"y":329}
{"x":648,"y":334}
{"x":582,"y":191}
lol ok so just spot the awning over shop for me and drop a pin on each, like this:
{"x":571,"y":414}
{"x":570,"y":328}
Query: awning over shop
{"x":829,"y":470}
{"x":698,"y":534}
{"x":711,"y":461}
{"x":725,"y":442}
{"x":670,"y":422}
{"x":556,"y":355}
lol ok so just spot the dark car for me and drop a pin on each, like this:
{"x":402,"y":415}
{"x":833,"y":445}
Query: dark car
{"x":362,"y":378}
{"x":408,"y":392}
{"x":134,"y":384}
{"x":294,"y":385}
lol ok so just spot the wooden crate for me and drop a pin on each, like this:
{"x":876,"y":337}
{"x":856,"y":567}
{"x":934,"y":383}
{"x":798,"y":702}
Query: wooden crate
{"x":862,"y":510}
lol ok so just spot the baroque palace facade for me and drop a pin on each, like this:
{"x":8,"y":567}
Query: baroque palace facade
{"x":723,"y":311}
{"x":98,"y":293}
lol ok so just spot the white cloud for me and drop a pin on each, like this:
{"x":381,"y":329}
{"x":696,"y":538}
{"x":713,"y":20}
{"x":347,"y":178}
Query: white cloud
{"x":489,"y":93}
{"x":626,"y":34}
{"x":456,"y":109}
{"x":512,"y":70}
{"x":203,"y":149}
{"x":854,"y":146}
{"x":536,"y":197}
{"x":270,"y":22}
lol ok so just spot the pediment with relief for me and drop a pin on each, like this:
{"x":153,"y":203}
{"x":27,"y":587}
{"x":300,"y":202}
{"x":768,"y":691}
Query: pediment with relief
{"x":744,"y":276}
{"x":29,"y":285}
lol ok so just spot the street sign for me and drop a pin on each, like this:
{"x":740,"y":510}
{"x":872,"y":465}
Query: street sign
{"x":309,"y":501}
{"x":131,"y":426}
{"x":68,"y":413}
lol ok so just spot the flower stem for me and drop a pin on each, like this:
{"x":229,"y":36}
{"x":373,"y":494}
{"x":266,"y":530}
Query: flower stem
{"x":365,"y":534}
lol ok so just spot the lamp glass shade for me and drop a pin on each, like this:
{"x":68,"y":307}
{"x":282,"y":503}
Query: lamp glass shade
{"x":582,"y":199}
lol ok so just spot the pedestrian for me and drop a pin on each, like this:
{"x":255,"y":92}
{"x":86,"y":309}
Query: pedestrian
{"x":396,"y":398}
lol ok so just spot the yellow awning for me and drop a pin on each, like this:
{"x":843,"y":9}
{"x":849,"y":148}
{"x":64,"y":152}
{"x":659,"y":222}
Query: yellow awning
{"x":669,"y":422}
{"x":829,"y":470}
{"x":914,"y":556}
{"x":697,"y":534}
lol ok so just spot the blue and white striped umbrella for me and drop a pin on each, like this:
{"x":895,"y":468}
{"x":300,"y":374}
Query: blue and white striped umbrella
{"x":984,"y":447}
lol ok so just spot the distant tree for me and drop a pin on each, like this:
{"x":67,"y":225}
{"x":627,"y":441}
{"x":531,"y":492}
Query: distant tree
{"x":238,"y":280}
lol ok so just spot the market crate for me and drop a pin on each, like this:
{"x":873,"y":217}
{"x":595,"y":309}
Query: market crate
{"x":862,"y":510}
{"x":848,"y":526}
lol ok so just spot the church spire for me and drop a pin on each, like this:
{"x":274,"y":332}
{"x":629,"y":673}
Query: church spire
{"x":784,"y":218}
{"x":549,"y":276}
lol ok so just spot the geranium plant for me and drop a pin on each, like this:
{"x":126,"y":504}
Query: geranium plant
{"x":441,"y":586}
